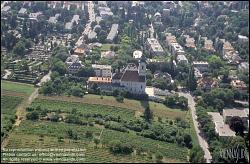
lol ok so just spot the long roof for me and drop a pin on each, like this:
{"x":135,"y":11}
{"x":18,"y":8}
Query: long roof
{"x":132,"y":75}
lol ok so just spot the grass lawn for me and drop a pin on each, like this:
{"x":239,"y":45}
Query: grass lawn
{"x":17,"y":87}
{"x":106,"y":47}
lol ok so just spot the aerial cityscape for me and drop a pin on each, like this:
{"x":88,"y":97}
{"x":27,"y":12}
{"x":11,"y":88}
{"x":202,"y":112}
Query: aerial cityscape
{"x":124,"y":82}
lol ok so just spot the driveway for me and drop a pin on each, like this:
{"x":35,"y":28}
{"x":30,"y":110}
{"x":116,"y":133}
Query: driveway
{"x":203,"y":143}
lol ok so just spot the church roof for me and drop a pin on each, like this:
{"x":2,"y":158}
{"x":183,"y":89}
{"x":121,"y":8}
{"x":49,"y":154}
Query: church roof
{"x":133,"y":76}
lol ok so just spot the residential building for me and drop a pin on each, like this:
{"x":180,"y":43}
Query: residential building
{"x":102,"y":70}
{"x":242,"y":39}
{"x":113,"y":33}
{"x":35,"y":16}
{"x":157,"y":18}
{"x":154,"y":46}
{"x":73,"y":64}
{"x":181,"y":59}
{"x":201,"y":65}
{"x":197,"y":73}
{"x":230,"y":54}
{"x":82,"y":50}
{"x":5,"y":10}
{"x":208,"y":45}
{"x":243,"y":66}
{"x":222,"y":129}
{"x":176,"y":49}
{"x":92,"y":35}
{"x":22,"y":12}
{"x":236,"y":112}
{"x":207,"y":83}
{"x":137,"y":54}
{"x":239,"y":85}
{"x":190,"y":42}
{"x":105,"y":12}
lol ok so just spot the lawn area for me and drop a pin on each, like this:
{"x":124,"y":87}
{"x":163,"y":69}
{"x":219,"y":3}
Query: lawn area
{"x":16,"y":87}
{"x":106,"y":47}
{"x":159,"y":109}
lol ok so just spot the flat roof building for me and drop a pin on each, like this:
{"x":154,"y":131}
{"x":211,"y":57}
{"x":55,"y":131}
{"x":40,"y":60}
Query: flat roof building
{"x":113,"y":32}
{"x":222,"y":129}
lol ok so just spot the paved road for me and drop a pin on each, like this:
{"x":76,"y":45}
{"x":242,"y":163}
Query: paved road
{"x":45,"y":79}
{"x":203,"y":143}
{"x":87,"y":28}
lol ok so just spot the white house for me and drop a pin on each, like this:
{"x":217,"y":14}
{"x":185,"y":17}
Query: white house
{"x":137,"y":54}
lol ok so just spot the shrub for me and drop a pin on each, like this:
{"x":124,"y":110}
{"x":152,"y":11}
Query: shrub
{"x":120,"y":99}
{"x":33,"y":115}
{"x":117,"y":147}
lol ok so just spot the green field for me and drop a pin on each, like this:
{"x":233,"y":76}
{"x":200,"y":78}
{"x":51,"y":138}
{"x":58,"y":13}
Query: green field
{"x":17,"y":87}
{"x":8,"y":106}
{"x":28,"y":134}
{"x":12,"y":94}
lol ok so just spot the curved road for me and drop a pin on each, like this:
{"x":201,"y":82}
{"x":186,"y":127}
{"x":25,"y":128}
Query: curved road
{"x":203,"y":143}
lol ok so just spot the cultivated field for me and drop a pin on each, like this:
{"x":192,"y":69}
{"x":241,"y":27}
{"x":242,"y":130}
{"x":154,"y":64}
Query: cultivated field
{"x":12,"y":96}
{"x":94,"y":115}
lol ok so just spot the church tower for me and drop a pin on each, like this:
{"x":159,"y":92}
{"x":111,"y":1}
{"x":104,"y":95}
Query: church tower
{"x":142,"y":66}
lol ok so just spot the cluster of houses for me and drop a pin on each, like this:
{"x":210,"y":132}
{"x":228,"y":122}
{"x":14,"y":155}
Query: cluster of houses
{"x":175,"y":48}
{"x":132,"y":78}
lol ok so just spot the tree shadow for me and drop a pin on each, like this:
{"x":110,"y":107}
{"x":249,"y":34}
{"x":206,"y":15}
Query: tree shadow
{"x":144,"y":103}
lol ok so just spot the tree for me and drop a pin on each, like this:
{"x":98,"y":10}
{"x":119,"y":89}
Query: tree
{"x":215,"y":62}
{"x":148,"y":114}
{"x":89,"y":134}
{"x":77,"y":91}
{"x":237,"y":125}
{"x":196,"y":155}
{"x":102,"y":36}
{"x":60,"y":67}
{"x":158,"y":157}
{"x":33,"y":115}
{"x":96,"y":141}
{"x":117,"y":147}
{"x":191,"y":82}
{"x":19,"y":49}
{"x":187,"y":140}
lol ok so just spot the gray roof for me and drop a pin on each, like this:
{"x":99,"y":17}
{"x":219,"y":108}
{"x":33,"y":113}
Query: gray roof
{"x":113,"y":32}
{"x":52,"y":20}
{"x":22,"y":11}
{"x":181,"y":58}
{"x":92,"y":35}
{"x":75,"y":18}
{"x":5,"y":9}
{"x":68,"y":25}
